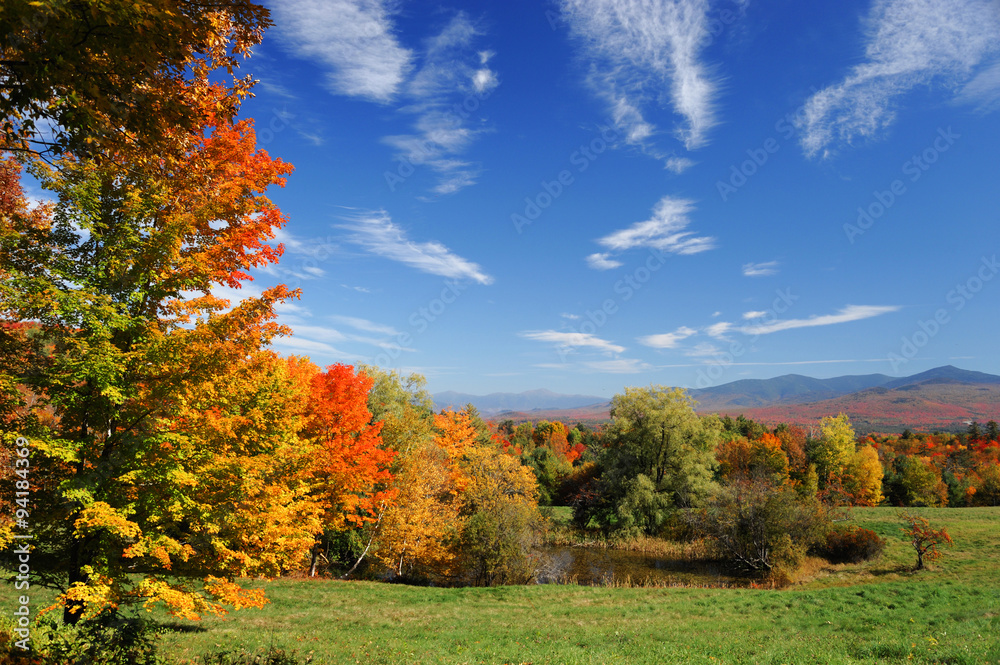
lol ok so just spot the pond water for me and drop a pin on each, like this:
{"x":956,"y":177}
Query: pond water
{"x":608,"y":567}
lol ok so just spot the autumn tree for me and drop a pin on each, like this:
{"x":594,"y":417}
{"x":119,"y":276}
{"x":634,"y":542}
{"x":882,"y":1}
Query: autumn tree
{"x":500,"y":506}
{"x":832,"y":451}
{"x":351,"y":468}
{"x":862,"y":477}
{"x":94,"y":79}
{"x":119,"y":279}
{"x":419,"y":535}
{"x":923,"y":537}
{"x":761,"y":458}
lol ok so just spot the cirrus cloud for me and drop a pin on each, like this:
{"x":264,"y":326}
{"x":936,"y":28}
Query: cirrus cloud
{"x":376,"y":232}
{"x":909,"y":43}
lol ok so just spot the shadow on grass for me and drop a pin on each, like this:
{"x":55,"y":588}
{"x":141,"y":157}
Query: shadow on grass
{"x":178,"y":627}
{"x":898,"y":569}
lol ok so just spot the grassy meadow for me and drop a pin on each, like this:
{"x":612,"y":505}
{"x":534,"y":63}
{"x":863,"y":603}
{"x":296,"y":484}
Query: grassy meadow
{"x":875,"y":612}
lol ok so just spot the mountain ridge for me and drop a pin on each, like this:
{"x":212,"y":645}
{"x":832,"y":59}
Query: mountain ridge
{"x":942,"y":397}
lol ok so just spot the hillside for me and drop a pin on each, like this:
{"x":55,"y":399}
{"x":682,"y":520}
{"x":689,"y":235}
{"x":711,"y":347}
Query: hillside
{"x":925,"y":406}
{"x":944,"y":398}
{"x":787,"y":389}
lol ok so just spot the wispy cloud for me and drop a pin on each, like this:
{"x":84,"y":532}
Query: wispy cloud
{"x":638,"y":50}
{"x":450,"y":72}
{"x":756,"y":314}
{"x":849,"y":313}
{"x":703,"y":350}
{"x":353,"y":39}
{"x":719,"y":330}
{"x":572,"y":340}
{"x":760,"y":269}
{"x":909,"y":43}
{"x":664,"y":231}
{"x":376,"y":232}
{"x":364,"y":324}
{"x":667,"y":340}
{"x":618,"y":366}
{"x":603,"y":261}
{"x":983,"y":92}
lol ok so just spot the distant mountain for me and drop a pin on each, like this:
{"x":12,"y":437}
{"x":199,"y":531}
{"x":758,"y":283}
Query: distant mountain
{"x":530,"y":400}
{"x":942,"y":398}
{"x":946,"y":374}
{"x":787,"y":389}
{"x":946,"y":406}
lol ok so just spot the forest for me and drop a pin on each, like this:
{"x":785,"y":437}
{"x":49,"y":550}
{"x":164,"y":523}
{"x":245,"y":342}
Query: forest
{"x":160,"y":455}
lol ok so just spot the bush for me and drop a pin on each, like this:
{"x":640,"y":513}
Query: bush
{"x":108,"y":639}
{"x":760,"y":528}
{"x":850,"y":545}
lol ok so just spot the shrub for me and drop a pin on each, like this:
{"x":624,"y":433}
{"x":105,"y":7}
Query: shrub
{"x":850,"y":545}
{"x":108,"y":639}
{"x":760,"y":528}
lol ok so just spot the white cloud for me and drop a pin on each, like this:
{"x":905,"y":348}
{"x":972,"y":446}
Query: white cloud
{"x":450,"y":73}
{"x":572,"y":340}
{"x":849,"y":313}
{"x":909,"y":43}
{"x":719,"y":330}
{"x":643,"y":53}
{"x":983,"y":92}
{"x":760,"y":269}
{"x":703,"y":350}
{"x":354,"y":39}
{"x":756,"y":314}
{"x":619,"y":366}
{"x":602,"y":261}
{"x":678,"y":165}
{"x":571,"y":317}
{"x":667,"y":340}
{"x":664,"y":231}
{"x":364,"y":324}
{"x":375,"y":232}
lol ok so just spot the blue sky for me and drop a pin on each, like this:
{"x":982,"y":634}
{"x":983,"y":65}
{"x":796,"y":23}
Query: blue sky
{"x":588,"y":194}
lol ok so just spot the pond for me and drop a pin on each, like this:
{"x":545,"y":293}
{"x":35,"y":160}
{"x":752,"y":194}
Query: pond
{"x":598,"y":566}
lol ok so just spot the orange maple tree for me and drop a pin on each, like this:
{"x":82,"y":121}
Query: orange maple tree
{"x":165,"y":476}
{"x":351,"y":466}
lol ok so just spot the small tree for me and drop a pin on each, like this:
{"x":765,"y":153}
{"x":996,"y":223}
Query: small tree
{"x":924,"y":539}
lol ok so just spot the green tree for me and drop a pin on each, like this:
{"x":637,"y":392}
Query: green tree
{"x":655,"y":434}
{"x":916,"y":482}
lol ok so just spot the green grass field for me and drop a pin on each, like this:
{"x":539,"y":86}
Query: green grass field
{"x":876,"y":612}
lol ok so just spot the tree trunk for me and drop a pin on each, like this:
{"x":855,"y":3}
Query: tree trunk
{"x":73,"y":610}
{"x":314,"y":560}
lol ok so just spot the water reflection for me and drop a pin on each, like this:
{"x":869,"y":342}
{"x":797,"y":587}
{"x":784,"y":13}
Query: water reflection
{"x":606,"y":567}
